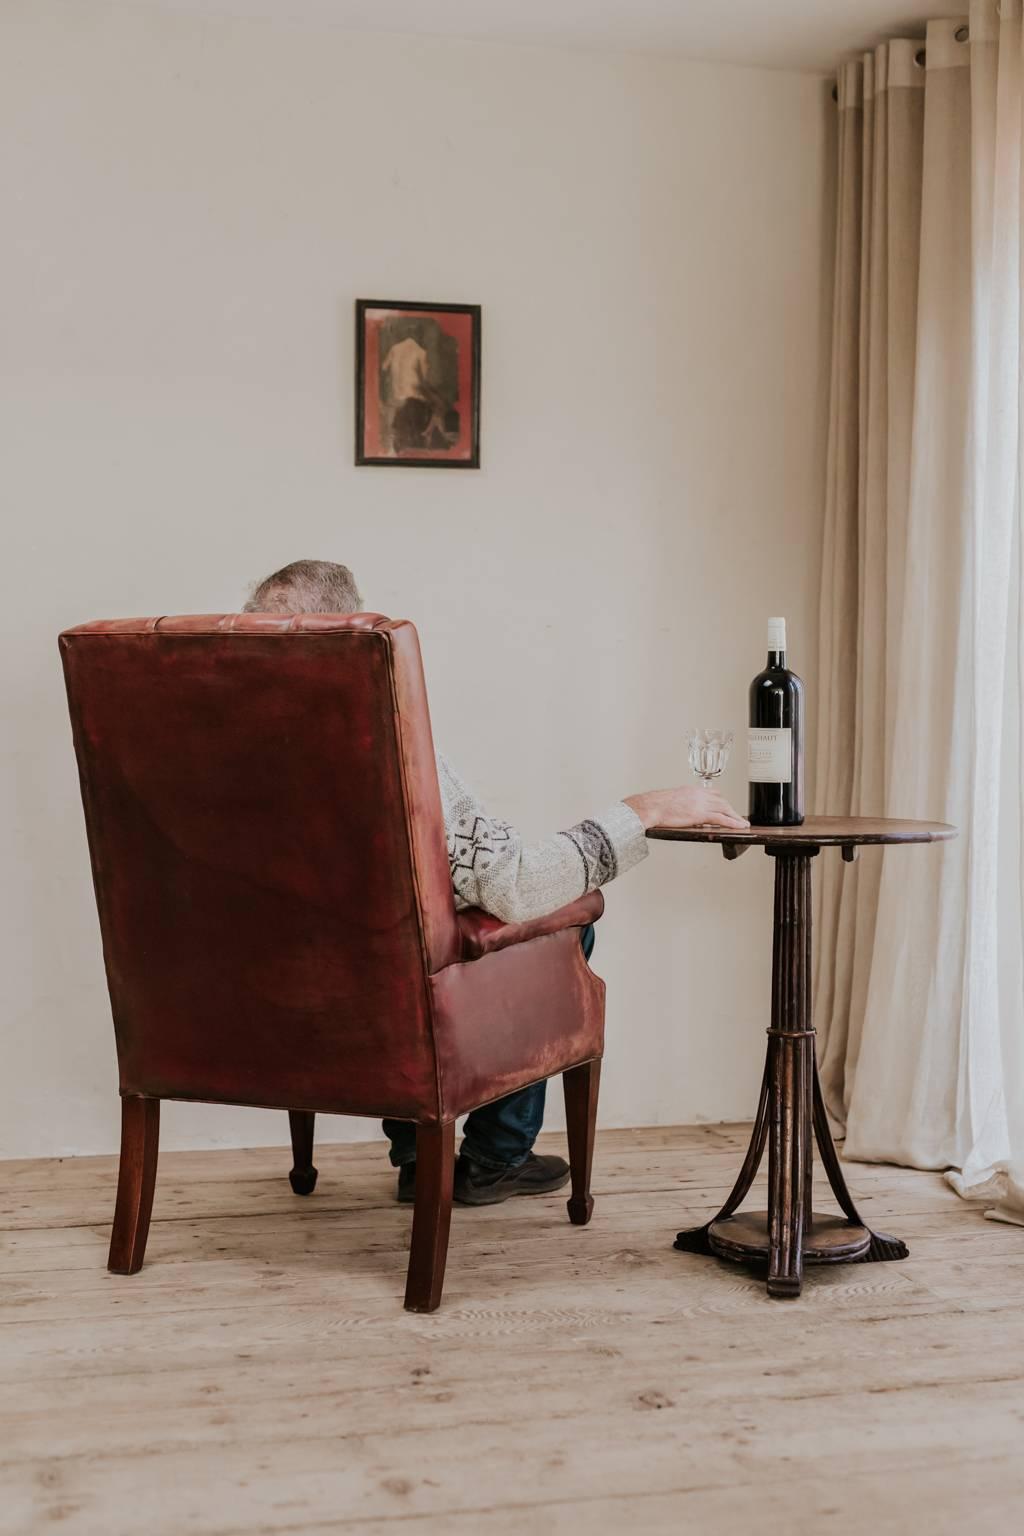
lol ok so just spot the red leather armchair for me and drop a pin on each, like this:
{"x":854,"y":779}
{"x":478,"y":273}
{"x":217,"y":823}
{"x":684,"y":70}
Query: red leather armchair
{"x":276,"y":910}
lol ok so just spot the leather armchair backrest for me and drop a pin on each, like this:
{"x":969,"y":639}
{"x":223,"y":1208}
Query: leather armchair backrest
{"x":268,"y":853}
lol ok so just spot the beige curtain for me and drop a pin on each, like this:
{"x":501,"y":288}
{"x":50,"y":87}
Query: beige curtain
{"x":920,"y":1000}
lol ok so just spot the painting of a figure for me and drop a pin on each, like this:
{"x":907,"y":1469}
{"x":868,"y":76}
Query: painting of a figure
{"x":417,"y":384}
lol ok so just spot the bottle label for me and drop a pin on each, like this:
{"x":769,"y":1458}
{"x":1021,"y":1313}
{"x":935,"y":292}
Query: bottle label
{"x":770,"y":755}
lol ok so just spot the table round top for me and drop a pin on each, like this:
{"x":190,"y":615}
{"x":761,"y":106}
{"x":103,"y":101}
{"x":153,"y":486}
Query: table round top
{"x":817,"y":831}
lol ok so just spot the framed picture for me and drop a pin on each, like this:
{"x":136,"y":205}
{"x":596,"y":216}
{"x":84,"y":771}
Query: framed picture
{"x":418,"y":384}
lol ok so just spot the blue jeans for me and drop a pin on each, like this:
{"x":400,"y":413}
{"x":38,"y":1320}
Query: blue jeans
{"x":499,"y":1135}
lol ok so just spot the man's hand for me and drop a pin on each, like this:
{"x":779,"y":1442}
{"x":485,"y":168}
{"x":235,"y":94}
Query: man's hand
{"x":689,"y":806}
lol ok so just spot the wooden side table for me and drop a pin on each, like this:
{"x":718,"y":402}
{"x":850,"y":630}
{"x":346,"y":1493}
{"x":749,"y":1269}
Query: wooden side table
{"x":791,"y":1111}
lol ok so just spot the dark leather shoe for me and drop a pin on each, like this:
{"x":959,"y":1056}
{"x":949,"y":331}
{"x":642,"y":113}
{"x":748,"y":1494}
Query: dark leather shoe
{"x":406,"y":1191}
{"x":476,"y":1185}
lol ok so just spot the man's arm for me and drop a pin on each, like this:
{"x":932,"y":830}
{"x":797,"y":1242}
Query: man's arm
{"x":492,"y":868}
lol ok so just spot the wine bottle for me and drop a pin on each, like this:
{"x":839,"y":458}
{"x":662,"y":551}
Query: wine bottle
{"x":775,"y":745}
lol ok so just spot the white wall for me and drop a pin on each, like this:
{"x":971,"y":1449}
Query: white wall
{"x":191,"y":208}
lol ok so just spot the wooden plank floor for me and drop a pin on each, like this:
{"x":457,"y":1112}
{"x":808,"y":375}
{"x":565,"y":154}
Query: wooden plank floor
{"x":260,"y":1375}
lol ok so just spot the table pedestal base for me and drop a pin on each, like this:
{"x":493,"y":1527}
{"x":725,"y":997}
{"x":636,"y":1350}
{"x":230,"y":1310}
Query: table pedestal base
{"x":828,"y":1239}
{"x":790,"y":1117}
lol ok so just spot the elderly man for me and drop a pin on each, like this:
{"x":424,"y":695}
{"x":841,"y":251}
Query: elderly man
{"x":493,"y":869}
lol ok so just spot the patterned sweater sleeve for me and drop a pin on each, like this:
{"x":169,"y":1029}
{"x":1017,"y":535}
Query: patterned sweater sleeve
{"x":493,"y":869}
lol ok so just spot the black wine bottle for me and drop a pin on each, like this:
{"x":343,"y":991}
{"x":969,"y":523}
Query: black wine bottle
{"x":775,"y":745}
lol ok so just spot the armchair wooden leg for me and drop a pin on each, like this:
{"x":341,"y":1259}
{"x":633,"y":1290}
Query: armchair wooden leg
{"x":581,"y":1085}
{"x":432,"y":1216}
{"x":136,"y":1178}
{"x":303,"y":1175}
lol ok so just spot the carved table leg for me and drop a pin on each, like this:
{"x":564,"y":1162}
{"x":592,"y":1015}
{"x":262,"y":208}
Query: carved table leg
{"x":881,"y":1246}
{"x":791,"y":1039}
{"x":695,"y":1239}
{"x":790,"y":1115}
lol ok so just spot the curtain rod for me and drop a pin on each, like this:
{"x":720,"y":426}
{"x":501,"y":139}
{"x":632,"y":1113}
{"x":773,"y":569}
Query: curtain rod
{"x":962,"y":35}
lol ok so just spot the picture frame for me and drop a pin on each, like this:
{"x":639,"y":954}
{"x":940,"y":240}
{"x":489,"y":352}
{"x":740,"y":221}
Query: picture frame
{"x":417,"y":384}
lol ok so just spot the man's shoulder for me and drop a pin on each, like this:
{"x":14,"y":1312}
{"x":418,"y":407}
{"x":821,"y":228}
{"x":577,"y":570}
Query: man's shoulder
{"x":454,"y":789}
{"x":446,"y":773}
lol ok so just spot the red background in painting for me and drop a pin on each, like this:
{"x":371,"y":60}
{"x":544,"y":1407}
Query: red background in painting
{"x":458,"y":325}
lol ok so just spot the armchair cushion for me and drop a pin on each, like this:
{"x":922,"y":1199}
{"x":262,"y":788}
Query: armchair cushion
{"x":482,"y":934}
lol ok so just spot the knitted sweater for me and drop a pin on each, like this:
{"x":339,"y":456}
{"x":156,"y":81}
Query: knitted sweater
{"x":491,"y":868}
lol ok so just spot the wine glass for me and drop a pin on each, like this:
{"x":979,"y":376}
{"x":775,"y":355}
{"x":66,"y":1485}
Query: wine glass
{"x":709,"y":753}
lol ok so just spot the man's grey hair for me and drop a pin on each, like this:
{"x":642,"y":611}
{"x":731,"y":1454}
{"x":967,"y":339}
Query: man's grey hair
{"x":306,"y":586}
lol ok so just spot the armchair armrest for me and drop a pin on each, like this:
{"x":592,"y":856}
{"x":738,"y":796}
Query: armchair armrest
{"x":482,"y":934}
